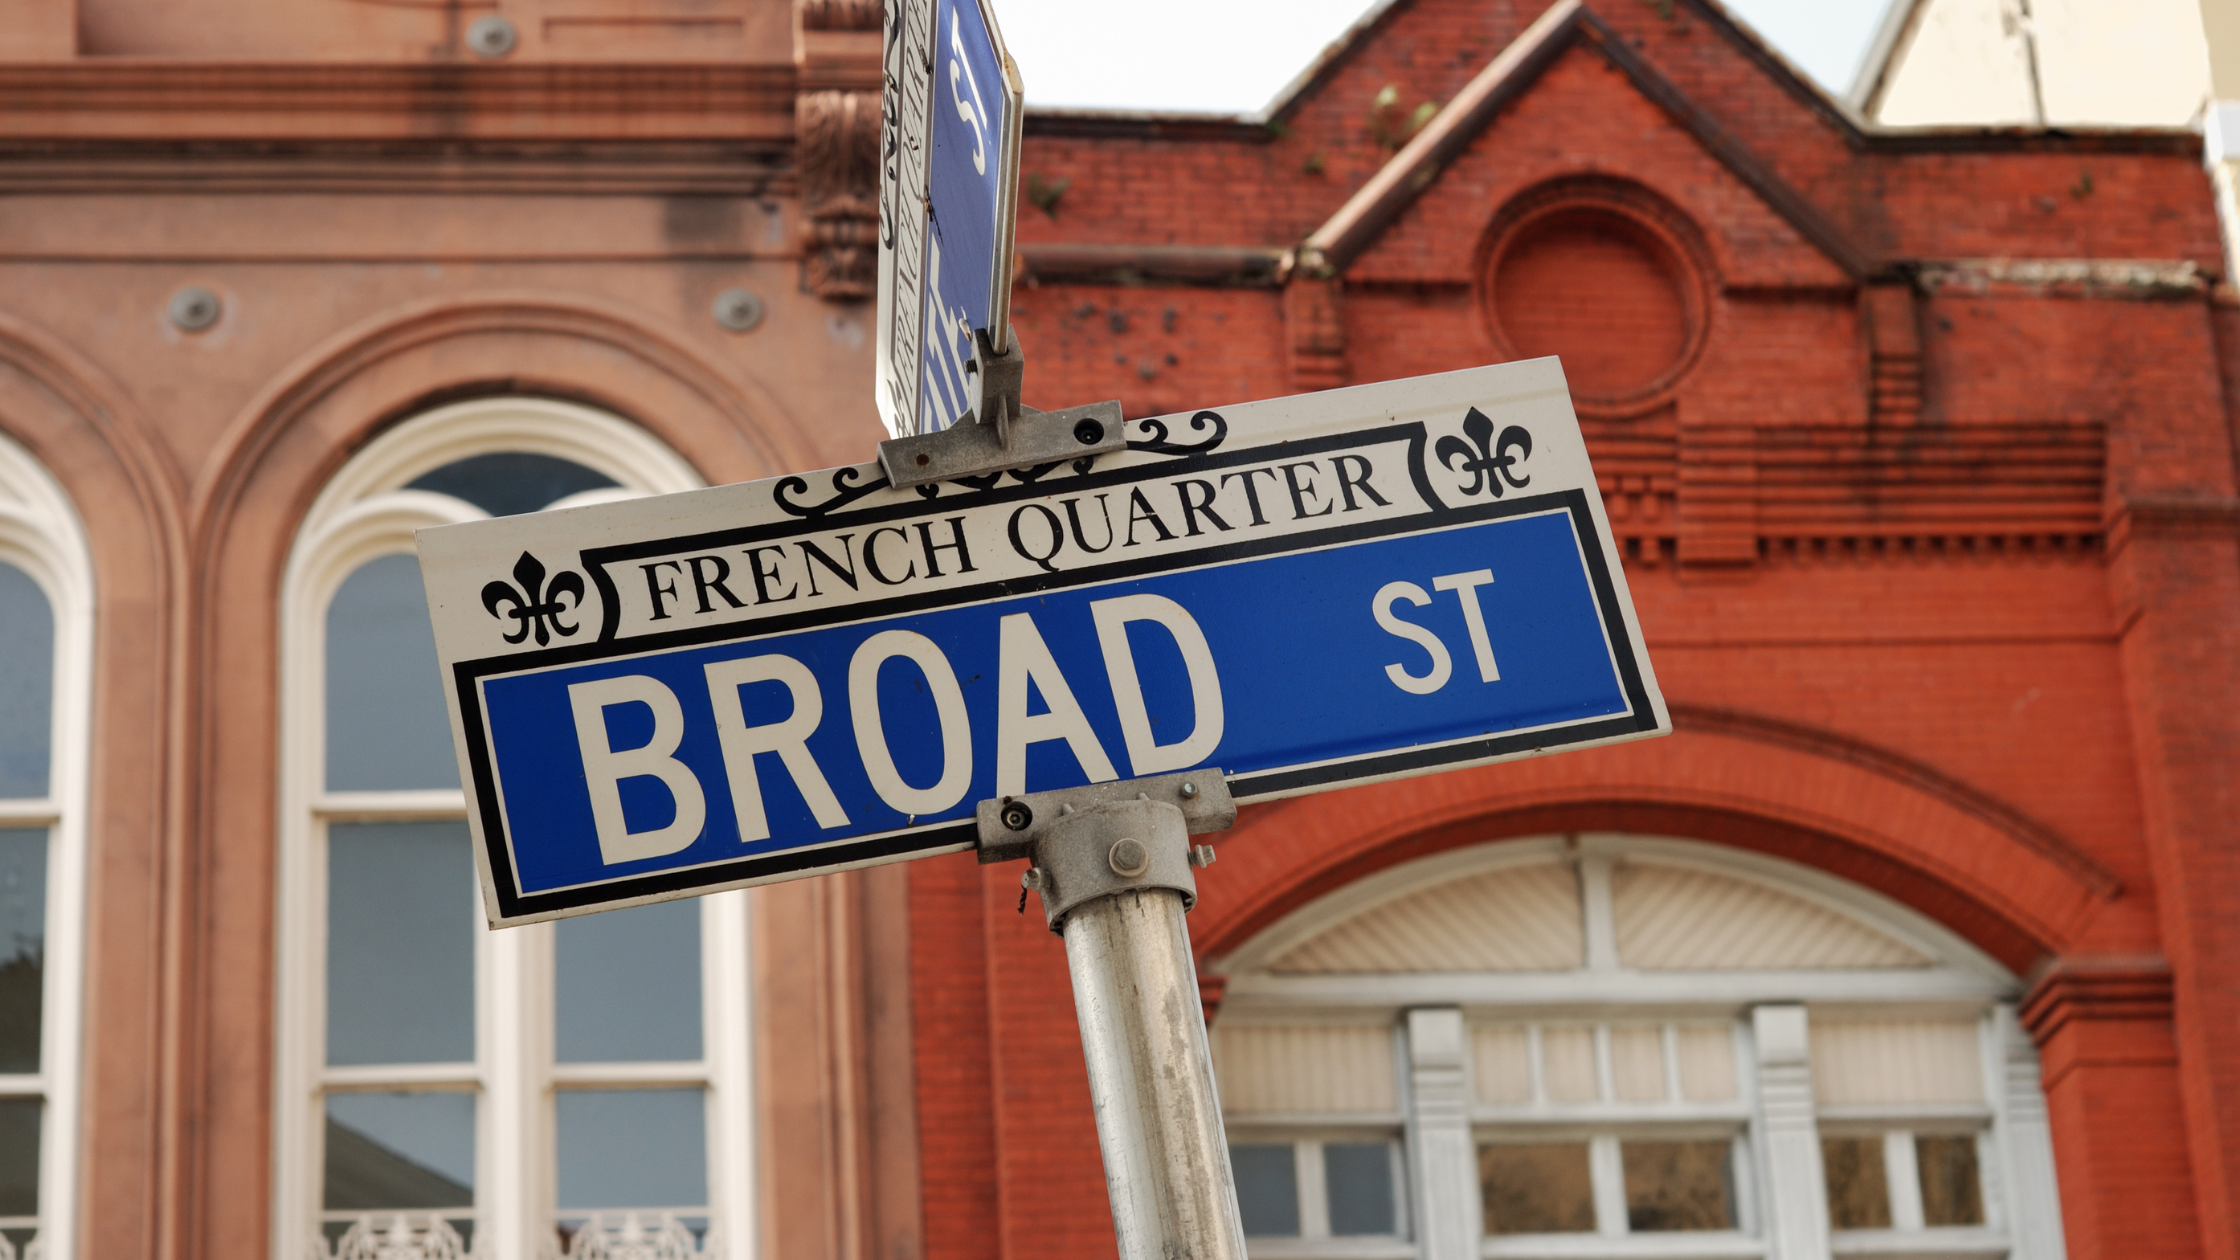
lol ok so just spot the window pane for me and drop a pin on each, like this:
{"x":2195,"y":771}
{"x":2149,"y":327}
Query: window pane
{"x":1951,"y":1187}
{"x":1267,"y":1188}
{"x":1637,"y":1063}
{"x":389,"y":1151}
{"x":386,"y":728}
{"x":1679,"y":1185}
{"x":509,"y":483}
{"x":23,"y":939}
{"x":644,"y":1148}
{"x":26,"y":684}
{"x":1536,"y":1189}
{"x":400,"y":943}
{"x":1858,"y":1183}
{"x":19,"y":1156}
{"x":628,"y":984}
{"x":1357,"y":1182}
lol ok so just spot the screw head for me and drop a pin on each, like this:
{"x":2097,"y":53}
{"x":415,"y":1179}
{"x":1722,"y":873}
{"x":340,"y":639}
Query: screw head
{"x":1189,"y":791}
{"x":737,"y":310}
{"x":1088,"y":432}
{"x":193,"y":309}
{"x":1129,"y":857}
{"x":492,"y":36}
{"x":1017,"y":816}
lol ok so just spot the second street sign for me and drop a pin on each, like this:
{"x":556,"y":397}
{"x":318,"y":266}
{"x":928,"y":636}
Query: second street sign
{"x":669,"y":696}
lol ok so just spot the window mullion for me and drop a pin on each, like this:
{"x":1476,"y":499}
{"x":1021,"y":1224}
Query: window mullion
{"x":1903,"y":1171}
{"x":1438,"y":1134}
{"x":1607,"y":1167}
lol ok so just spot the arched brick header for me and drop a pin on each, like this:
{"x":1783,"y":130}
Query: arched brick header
{"x":2009,"y":885}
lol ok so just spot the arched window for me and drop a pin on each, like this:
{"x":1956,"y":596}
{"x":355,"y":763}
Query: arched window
{"x":529,"y":1089}
{"x":46,"y":602}
{"x":1610,"y":1046}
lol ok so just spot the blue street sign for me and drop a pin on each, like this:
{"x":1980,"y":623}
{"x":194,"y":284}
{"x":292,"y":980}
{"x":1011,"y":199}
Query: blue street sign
{"x":949,"y":185}
{"x":1307,"y":593}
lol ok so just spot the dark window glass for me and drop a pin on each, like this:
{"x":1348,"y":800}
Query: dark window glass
{"x":627,"y":986}
{"x":1267,"y":1188}
{"x":1679,"y":1186}
{"x":23,"y":945}
{"x":19,"y":1156}
{"x":1539,"y":1188}
{"x":1951,"y":1186}
{"x":26,"y":684}
{"x":632,"y":1148}
{"x":400,"y":943}
{"x":1357,"y":1183}
{"x":1858,"y":1185}
{"x":388,"y":1151}
{"x":386,"y":726}
{"x":512,"y":482}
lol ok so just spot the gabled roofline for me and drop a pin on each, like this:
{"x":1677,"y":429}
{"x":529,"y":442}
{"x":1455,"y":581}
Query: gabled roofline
{"x":1899,"y":21}
{"x":1366,"y":215}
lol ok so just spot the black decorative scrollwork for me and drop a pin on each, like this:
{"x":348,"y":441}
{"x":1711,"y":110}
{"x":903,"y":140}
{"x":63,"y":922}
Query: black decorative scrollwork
{"x":1491,"y":463}
{"x":1156,"y":442}
{"x":536,"y":607}
{"x":843,"y":493}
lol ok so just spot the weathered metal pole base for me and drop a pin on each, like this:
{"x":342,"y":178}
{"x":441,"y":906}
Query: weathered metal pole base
{"x":1113,"y":865}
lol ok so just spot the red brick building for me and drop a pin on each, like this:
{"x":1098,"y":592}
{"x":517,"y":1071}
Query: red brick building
{"x":1918,"y":937}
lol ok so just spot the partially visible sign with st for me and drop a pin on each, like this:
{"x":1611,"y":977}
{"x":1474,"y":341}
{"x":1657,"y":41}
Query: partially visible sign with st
{"x":673,"y":695}
{"x":948,"y":202}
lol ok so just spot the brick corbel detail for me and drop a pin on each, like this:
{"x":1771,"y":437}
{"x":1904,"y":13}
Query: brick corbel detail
{"x":836,"y":145}
{"x":1315,"y":334}
{"x":1718,"y":494}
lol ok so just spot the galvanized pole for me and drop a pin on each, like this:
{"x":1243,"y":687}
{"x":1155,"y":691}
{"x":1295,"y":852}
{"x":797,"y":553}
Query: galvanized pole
{"x":1112,"y":863}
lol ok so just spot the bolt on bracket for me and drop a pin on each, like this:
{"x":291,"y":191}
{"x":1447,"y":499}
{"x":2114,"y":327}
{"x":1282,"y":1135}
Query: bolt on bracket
{"x":1108,"y":838}
{"x":999,"y":433}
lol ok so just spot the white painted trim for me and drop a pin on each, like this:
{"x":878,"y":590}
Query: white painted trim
{"x":41,"y":533}
{"x":1667,"y":993}
{"x":29,"y":811}
{"x":364,"y":513}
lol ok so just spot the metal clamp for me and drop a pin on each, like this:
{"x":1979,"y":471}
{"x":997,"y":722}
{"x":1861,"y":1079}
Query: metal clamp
{"x":1000,"y":433}
{"x":1108,"y":838}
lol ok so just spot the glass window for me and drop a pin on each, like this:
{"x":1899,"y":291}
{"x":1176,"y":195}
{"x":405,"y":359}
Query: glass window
{"x":633,"y":1149}
{"x":508,"y":483}
{"x":400,"y":943}
{"x":607,"y":1107}
{"x":26,"y":685}
{"x":1951,"y":1184}
{"x":23,"y":946}
{"x":1357,"y":1180}
{"x":1267,"y":1188}
{"x":1858,"y":1182}
{"x":386,"y":727}
{"x":1536,"y":1187}
{"x":628,"y":985}
{"x":1678,"y":1186}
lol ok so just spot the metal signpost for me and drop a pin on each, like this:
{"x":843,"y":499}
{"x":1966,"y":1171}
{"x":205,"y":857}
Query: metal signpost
{"x":1042,"y":635}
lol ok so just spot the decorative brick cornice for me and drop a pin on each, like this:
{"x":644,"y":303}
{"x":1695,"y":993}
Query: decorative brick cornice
{"x":2170,"y":516}
{"x":430,"y":103}
{"x":2127,"y":989}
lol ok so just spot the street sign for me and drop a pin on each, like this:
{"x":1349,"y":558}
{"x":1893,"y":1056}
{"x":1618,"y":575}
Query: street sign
{"x":948,"y":202}
{"x":669,"y":696}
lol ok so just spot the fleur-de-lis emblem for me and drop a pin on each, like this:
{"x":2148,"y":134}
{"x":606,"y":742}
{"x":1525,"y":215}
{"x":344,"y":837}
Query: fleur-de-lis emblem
{"x":535,"y":605}
{"x":1491,"y":463}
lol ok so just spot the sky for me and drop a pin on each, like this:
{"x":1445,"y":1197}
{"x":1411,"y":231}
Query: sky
{"x":1233,"y":56}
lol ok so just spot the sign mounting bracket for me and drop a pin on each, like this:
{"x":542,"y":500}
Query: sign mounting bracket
{"x":1000,"y":433}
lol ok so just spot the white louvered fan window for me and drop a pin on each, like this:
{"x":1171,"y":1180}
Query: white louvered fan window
{"x":1616,"y":1047}
{"x":555,"y":1090}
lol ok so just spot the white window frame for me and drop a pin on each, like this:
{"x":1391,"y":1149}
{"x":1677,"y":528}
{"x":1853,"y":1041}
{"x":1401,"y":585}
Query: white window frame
{"x":363,"y":513}
{"x":1781,"y":1210}
{"x":40,"y":533}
